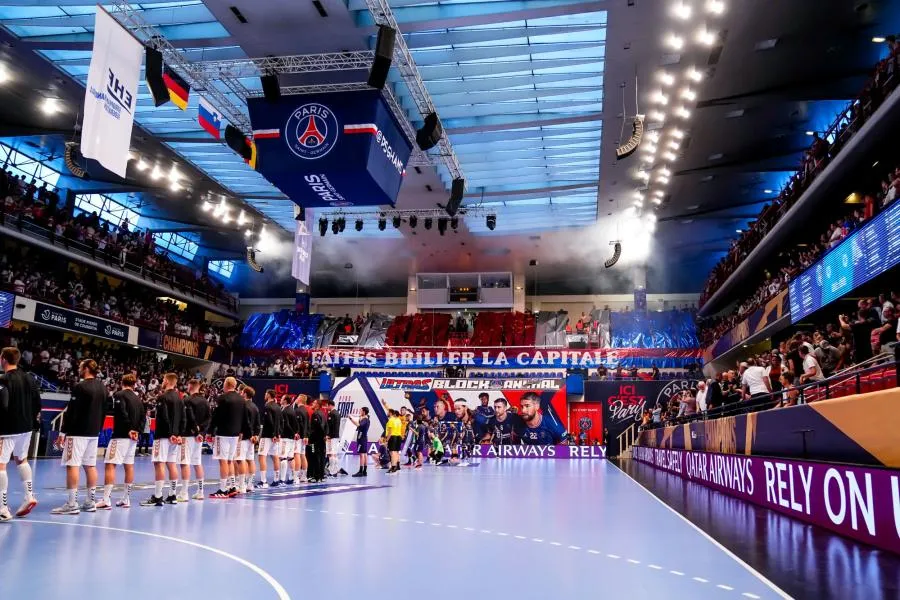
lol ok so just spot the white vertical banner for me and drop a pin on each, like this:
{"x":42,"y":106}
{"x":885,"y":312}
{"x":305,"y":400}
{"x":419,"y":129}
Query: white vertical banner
{"x":302,"y":250}
{"x":111,"y":94}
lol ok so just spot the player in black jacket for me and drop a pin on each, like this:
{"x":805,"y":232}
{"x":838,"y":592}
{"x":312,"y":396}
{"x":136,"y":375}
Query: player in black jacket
{"x":226,"y":427}
{"x":315,"y":449}
{"x":270,"y":441}
{"x":166,"y":440}
{"x":82,"y":422}
{"x":289,"y":433}
{"x":128,"y":415}
{"x":20,"y":414}
{"x":302,"y":438}
{"x":250,"y":432}
{"x":197,"y":419}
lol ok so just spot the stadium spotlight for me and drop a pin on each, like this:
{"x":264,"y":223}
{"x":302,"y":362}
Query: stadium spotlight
{"x":335,"y":226}
{"x":382,"y":223}
{"x":442,"y":225}
{"x":359,"y":224}
{"x":428,"y":222}
{"x":342,"y":224}
{"x":617,"y":252}
{"x":491,"y":222}
{"x":454,"y":223}
{"x":323,"y":226}
{"x":413,"y":221}
{"x":396,"y":221}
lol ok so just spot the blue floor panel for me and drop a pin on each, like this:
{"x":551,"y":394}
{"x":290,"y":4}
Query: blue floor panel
{"x":509,"y":529}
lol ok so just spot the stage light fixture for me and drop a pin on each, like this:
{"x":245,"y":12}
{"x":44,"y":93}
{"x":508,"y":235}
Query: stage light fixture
{"x":442,"y":225}
{"x":675,"y":42}
{"x":665,"y":78}
{"x":396,"y":221}
{"x":413,"y":221}
{"x":382,"y":223}
{"x":454,"y":223}
{"x":335,"y":226}
{"x":491,"y":222}
{"x":51,"y":106}
{"x":428,"y":222}
{"x":342,"y":224}
{"x":207,"y":206}
{"x":694,"y":75}
{"x":681,"y":10}
{"x":323,"y":226}
{"x":715,"y":7}
{"x":706,"y":37}
{"x":359,"y":225}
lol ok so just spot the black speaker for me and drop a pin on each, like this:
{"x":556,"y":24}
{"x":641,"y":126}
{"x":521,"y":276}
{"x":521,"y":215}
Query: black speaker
{"x":153,"y":73}
{"x":384,"y":54}
{"x":456,"y":196}
{"x":431,"y":132}
{"x":271,"y":87}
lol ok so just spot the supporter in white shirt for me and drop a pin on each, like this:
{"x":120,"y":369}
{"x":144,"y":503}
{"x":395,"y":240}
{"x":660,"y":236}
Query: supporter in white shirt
{"x":755,"y":380}
{"x":811,"y":369}
{"x":701,"y":396}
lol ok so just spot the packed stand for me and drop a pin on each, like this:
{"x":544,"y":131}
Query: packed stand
{"x":792,"y":369}
{"x":25,"y":205}
{"x":794,"y":261}
{"x":281,"y":366}
{"x":815,"y":159}
{"x":31,"y":272}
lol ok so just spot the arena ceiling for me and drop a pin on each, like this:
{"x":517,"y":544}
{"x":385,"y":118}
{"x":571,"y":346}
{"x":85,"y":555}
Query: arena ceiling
{"x":532,"y":94}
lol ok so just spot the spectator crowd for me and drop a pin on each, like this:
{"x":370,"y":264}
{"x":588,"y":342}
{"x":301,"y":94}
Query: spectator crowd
{"x":815,"y":159}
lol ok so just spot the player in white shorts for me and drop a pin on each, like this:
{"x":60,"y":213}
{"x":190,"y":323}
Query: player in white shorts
{"x":300,"y":442}
{"x":20,"y":413}
{"x":128,"y":420}
{"x":249,"y":437}
{"x":167,"y":438}
{"x":197,"y":417}
{"x":226,"y":424}
{"x":270,"y":441}
{"x":82,"y":422}
{"x":289,"y":435}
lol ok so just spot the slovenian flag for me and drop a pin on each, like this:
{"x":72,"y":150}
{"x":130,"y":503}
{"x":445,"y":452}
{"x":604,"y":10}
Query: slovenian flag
{"x":209,"y":119}
{"x":178,"y":88}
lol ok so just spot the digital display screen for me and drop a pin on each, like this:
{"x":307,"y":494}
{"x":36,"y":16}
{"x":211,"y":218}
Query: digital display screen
{"x":7,"y":304}
{"x":866,"y":253}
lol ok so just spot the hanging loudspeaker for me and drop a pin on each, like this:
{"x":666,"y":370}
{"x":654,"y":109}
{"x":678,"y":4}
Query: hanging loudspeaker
{"x":431,"y":132}
{"x":270,"y":86}
{"x":153,"y":69}
{"x":456,"y":196}
{"x":637,"y":132}
{"x":617,"y":252}
{"x":384,"y":54}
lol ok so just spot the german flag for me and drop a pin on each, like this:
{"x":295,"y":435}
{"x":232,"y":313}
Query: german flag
{"x":178,"y":88}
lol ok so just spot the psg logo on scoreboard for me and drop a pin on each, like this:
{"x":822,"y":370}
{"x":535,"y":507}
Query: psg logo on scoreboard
{"x":311,"y":131}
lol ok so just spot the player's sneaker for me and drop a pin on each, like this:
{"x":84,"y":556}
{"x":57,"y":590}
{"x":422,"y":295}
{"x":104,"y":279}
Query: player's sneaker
{"x":219,"y":494}
{"x":103,"y":505}
{"x":66,"y":509}
{"x":183,"y":499}
{"x":152,"y":501}
{"x":124,"y":503}
{"x":171,"y":499}
{"x":89,"y":506}
{"x":277,"y":483}
{"x":289,"y":482}
{"x":233,"y":492}
{"x":5,"y":515}
{"x":26,"y":507}
{"x":198,"y":496}
{"x":343,"y":472}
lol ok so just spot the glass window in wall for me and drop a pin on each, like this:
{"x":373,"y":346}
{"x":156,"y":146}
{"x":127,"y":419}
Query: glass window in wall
{"x":115,"y":213}
{"x":223,"y":268}
{"x":176,"y":244}
{"x":27,"y":167}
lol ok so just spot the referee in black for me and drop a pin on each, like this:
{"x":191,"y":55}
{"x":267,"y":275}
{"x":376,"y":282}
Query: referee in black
{"x":20,"y":414}
{"x":315,"y":450}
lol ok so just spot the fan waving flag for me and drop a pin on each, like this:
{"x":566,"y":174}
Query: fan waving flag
{"x":179,"y":90}
{"x":209,"y":119}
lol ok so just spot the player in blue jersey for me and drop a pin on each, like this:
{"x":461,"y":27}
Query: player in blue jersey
{"x":505,"y":426}
{"x":466,"y":439}
{"x":537,"y":429}
{"x":446,"y":423}
{"x":483,"y":415}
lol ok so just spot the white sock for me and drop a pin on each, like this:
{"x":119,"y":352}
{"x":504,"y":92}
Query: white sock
{"x":263,"y":476}
{"x":25,"y":476}
{"x":283,"y":471}
{"x":92,"y":494}
{"x":240,"y":481}
{"x":107,"y":492}
{"x":73,"y":496}
{"x":173,"y":485}
{"x":223,"y":484}
{"x":181,"y":488}
{"x":293,"y":475}
{"x":4,"y":487}
{"x":128,"y":488}
{"x":158,"y":488}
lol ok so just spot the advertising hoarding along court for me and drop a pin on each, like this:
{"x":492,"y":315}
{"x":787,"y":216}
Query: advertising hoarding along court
{"x":861,"y":503}
{"x":331,"y":150}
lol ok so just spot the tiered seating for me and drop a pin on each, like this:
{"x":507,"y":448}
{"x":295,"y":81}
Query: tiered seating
{"x":431,"y":329}
{"x":504,"y":329}
{"x":871,"y":381}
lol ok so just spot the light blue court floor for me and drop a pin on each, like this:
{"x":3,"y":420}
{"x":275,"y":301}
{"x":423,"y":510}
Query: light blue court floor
{"x":512,"y":528}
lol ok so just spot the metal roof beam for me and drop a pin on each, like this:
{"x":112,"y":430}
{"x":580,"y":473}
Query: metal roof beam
{"x":289,"y":65}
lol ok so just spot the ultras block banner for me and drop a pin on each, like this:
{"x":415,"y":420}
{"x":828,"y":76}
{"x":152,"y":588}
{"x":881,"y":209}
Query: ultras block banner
{"x":861,"y":503}
{"x":333,"y":150}
{"x":504,"y":420}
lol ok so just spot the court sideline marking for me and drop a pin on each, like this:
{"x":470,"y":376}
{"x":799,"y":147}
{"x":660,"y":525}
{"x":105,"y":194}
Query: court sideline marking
{"x":712,"y":540}
{"x":279,"y":589}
